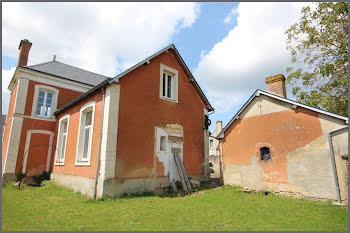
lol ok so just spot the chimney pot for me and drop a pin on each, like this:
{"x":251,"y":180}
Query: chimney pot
{"x":24,"y":48}
{"x":276,"y":85}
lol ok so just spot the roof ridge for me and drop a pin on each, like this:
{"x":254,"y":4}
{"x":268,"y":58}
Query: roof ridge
{"x":281,"y":99}
{"x":315,"y":108}
{"x":40,"y":64}
{"x":143,"y":61}
{"x":43,"y":63}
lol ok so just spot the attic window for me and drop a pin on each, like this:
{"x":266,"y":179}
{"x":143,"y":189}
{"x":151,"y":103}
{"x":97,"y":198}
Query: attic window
{"x":265,"y":153}
{"x":168,"y":83}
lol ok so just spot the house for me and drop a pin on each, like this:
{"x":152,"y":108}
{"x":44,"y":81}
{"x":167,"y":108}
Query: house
{"x":106,"y":136}
{"x":214,"y":151}
{"x":273,"y":143}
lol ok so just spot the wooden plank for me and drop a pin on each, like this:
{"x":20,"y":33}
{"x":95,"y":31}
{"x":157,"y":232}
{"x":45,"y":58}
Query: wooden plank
{"x":178,"y":166}
{"x":183,"y":171}
{"x":174,"y":186}
{"x":186,"y":178}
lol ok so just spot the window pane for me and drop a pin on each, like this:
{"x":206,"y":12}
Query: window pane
{"x":48,"y":102}
{"x":49,"y":95}
{"x":38,"y":109}
{"x":40,"y":103}
{"x":169,"y":86}
{"x":164,"y":77}
{"x":88,"y":118}
{"x":86,"y":143}
{"x":41,"y":99}
{"x":63,"y":147}
{"x":41,"y":94}
{"x":64,"y":127}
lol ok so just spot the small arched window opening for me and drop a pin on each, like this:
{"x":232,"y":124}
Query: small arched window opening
{"x":265,"y":153}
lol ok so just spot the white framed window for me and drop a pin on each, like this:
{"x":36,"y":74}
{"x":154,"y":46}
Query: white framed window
{"x":86,"y":126}
{"x":211,"y":143}
{"x":45,"y":101}
{"x":168,"y":83}
{"x":62,"y":140}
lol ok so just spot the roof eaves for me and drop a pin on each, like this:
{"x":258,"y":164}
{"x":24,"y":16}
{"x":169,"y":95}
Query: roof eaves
{"x":116,"y":78}
{"x":82,"y":96}
{"x":172,"y":46}
{"x":193,"y":79}
{"x":304,"y":106}
{"x":236,"y":116}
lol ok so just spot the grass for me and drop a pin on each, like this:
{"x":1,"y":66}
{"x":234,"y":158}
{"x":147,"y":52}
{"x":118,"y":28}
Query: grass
{"x":53,"y":208}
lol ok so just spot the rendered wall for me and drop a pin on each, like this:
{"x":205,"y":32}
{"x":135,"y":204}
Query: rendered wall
{"x":141,"y":109}
{"x":21,"y":122}
{"x":69,"y":167}
{"x":300,"y":158}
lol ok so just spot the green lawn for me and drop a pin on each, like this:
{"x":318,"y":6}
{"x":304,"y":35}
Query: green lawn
{"x":53,"y":208}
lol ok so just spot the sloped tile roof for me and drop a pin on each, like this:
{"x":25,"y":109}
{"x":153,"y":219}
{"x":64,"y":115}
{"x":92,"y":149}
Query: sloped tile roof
{"x":62,"y":70}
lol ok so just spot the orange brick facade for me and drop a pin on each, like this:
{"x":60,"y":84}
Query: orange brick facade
{"x":39,"y":143}
{"x":69,"y":167}
{"x":141,"y":110}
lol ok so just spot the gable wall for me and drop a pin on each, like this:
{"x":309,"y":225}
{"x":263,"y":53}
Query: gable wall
{"x":141,"y":110}
{"x":297,"y":140}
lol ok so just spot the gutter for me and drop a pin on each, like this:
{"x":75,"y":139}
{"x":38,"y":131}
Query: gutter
{"x":333,"y":162}
{"x":82,"y":96}
{"x":99,"y":143}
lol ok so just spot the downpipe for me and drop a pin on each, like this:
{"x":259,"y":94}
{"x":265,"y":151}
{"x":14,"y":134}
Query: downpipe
{"x":333,"y":162}
{"x":99,"y":144}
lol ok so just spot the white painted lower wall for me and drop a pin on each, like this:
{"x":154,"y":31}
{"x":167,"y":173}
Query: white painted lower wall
{"x":76,"y":183}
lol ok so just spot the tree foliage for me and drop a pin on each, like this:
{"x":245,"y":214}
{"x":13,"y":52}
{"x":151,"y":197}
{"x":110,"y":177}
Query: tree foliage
{"x":319,"y":47}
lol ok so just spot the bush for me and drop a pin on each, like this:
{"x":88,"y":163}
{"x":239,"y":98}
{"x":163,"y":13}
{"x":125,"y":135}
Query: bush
{"x":38,"y":179}
{"x":19,"y":176}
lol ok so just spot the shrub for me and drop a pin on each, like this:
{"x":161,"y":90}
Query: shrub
{"x":38,"y":179}
{"x":19,"y":176}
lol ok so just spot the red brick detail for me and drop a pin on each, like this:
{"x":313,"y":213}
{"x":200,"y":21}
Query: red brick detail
{"x":276,"y":85}
{"x":24,"y":48}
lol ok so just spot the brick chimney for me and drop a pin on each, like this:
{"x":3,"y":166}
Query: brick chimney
{"x":276,"y":85}
{"x":24,"y":47}
{"x":218,"y":126}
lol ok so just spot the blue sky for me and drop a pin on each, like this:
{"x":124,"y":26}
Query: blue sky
{"x":229,"y":57}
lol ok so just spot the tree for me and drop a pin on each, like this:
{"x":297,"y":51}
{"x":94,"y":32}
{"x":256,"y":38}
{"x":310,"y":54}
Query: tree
{"x":319,"y":42}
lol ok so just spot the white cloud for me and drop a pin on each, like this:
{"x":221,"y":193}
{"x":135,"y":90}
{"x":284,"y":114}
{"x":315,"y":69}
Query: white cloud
{"x":252,"y":51}
{"x":101,"y":37}
{"x":228,"y":18}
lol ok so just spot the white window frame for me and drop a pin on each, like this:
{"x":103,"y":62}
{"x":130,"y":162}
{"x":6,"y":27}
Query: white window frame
{"x":58,"y":160}
{"x":174,"y":83}
{"x":37,"y":89}
{"x":79,"y":161}
{"x":211,"y":143}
